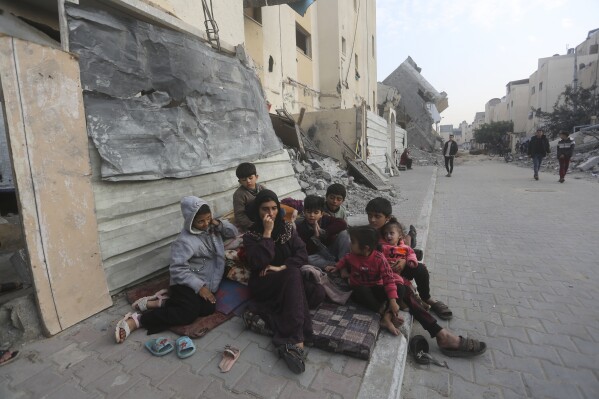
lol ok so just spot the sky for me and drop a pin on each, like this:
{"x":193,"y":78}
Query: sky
{"x":471,"y":49}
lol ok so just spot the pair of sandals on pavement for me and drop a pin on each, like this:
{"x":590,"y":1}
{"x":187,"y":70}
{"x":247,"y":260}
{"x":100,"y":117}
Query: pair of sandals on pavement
{"x":185,"y":348}
{"x":162,"y":346}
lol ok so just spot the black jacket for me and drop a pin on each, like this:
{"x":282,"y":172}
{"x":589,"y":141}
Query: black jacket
{"x":538,"y":146}
{"x":565,"y":148}
{"x":453,"y":150}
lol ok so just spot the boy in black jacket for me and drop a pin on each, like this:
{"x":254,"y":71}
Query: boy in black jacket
{"x":565,"y":150}
{"x":538,"y":147}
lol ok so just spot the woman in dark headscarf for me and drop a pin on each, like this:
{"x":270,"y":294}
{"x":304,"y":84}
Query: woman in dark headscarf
{"x":275,"y":254}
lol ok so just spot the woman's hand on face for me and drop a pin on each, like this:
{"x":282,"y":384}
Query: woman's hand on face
{"x":269,"y":223}
{"x":271,"y":269}
{"x":207,"y":295}
{"x":215,"y":222}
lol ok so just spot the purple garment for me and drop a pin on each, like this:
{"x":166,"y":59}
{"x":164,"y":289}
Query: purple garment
{"x":281,"y":298}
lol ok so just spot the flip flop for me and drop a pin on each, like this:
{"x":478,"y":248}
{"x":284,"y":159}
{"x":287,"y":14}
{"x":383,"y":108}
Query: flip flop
{"x":230,"y":355}
{"x":468,"y":348}
{"x":142,"y":303}
{"x":441,"y":310}
{"x":13,"y":356}
{"x":185,"y":347}
{"x":159,"y":346}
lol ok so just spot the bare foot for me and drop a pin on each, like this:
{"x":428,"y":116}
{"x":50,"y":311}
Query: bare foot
{"x":445,"y":339}
{"x":387,"y":322}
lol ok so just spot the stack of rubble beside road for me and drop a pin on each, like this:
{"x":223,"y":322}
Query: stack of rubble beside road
{"x":315,"y":175}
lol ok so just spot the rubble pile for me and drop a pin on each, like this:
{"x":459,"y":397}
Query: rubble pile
{"x":584,"y":163}
{"x":315,"y":175}
{"x":423,"y":157}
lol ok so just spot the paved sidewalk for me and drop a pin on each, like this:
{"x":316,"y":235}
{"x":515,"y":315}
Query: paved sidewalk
{"x":516,"y":260}
{"x":84,"y":361}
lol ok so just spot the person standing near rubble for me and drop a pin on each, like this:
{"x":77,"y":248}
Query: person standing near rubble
{"x":538,"y":148}
{"x":565,"y":150}
{"x":450,"y":149}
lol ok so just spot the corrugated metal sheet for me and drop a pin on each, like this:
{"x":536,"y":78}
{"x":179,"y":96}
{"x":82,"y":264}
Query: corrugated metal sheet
{"x":137,"y":221}
{"x":5,"y":166}
{"x":378,"y":140}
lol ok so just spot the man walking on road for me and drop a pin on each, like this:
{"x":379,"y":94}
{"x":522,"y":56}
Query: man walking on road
{"x":449,"y":150}
{"x":538,"y":147}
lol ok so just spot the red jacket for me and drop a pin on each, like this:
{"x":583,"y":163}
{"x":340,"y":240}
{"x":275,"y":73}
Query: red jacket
{"x":368,"y":271}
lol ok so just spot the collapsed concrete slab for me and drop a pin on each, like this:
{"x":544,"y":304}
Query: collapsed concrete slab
{"x":420,"y":103}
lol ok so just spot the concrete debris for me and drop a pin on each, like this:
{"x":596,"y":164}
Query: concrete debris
{"x":584,"y":162}
{"x":589,"y":164}
{"x":315,"y":176}
{"x":20,"y":322}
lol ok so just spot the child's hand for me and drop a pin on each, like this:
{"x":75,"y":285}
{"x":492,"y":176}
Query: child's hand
{"x":207,"y":295}
{"x":316,"y":230}
{"x":329,"y":269}
{"x":215,"y":222}
{"x":393,"y":306}
{"x":398,"y":266}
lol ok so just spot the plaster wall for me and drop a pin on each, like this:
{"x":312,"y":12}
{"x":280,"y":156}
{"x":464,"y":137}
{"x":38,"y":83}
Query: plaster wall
{"x":338,"y":20}
{"x":227,"y":13}
{"x":322,"y":126}
{"x":517,"y":106}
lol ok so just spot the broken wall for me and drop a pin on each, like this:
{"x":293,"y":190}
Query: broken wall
{"x":138,"y":220}
{"x":161,"y":103}
{"x":378,"y":140}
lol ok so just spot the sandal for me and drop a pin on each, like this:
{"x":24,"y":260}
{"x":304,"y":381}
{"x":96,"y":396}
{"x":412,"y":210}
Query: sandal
{"x":142,"y":303}
{"x":468,"y":348}
{"x":230,"y":355}
{"x":122,"y":325}
{"x":294,"y":357}
{"x":159,"y":346}
{"x":13,"y":356}
{"x":442,"y":310}
{"x":185,"y":347}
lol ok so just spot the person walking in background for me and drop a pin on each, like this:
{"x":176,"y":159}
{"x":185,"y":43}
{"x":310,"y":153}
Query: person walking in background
{"x":565,"y":150}
{"x":449,"y":150}
{"x":538,"y":147}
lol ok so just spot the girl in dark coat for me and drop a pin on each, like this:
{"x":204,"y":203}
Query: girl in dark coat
{"x":275,"y":254}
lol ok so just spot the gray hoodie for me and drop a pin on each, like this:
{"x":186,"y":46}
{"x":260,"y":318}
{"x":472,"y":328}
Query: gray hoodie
{"x":198,"y":257}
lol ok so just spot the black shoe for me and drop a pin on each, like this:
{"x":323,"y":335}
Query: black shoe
{"x":413,"y":234}
{"x":536,"y":177}
{"x":419,"y":254}
{"x":294,"y":357}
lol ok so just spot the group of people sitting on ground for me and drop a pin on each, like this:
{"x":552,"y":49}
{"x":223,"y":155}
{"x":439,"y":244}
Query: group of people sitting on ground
{"x":376,"y":258}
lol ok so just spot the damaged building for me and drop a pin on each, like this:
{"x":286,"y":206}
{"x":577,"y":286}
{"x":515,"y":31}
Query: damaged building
{"x":136,"y":104}
{"x":420,"y":105}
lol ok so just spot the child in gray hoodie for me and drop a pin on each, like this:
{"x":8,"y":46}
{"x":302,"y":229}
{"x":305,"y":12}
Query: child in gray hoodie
{"x":196,"y":269}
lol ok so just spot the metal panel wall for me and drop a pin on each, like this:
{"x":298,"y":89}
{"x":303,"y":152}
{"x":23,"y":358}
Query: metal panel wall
{"x":378,"y":140}
{"x":137,"y":221}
